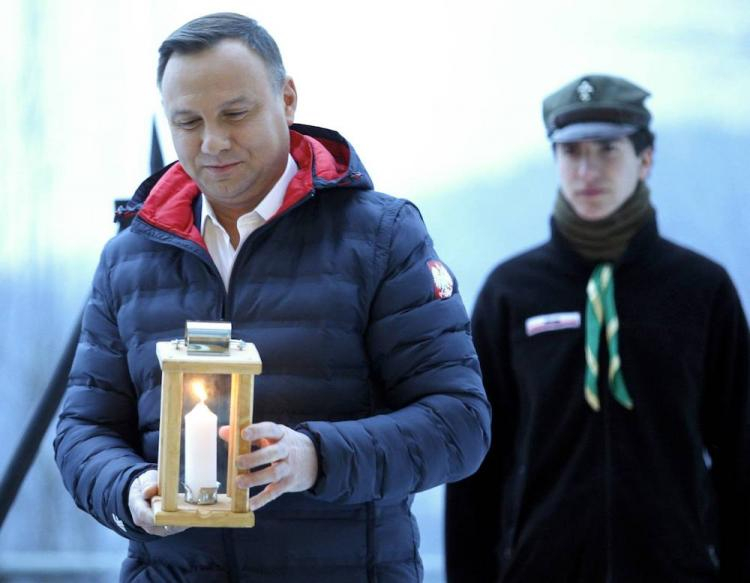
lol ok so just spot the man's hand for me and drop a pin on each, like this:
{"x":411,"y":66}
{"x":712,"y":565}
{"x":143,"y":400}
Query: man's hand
{"x":290,"y":457}
{"x":143,"y":488}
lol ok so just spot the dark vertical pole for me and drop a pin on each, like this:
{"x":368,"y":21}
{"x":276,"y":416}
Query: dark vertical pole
{"x":157,"y":160}
{"x":45,"y":410}
{"x":37,"y":426}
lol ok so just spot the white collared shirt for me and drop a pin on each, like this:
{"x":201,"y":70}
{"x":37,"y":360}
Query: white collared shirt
{"x":217,"y":239}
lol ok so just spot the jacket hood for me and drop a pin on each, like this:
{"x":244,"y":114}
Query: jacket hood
{"x":325,"y":160}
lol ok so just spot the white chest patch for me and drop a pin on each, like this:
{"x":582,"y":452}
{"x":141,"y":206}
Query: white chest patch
{"x":550,"y":322}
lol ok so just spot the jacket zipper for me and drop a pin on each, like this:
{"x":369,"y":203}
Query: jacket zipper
{"x":245,"y":250}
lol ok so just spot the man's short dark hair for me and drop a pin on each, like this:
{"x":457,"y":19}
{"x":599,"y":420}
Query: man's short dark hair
{"x":206,"y":31}
{"x":641,"y":140}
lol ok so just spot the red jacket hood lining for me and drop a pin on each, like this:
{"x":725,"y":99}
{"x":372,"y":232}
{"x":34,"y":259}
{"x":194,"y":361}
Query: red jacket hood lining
{"x":169,"y":204}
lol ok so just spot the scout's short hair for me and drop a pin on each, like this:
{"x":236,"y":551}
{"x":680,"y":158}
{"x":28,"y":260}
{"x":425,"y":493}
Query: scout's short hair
{"x":204,"y":32}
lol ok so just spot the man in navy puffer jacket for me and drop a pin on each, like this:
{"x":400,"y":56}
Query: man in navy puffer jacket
{"x":370,"y":389}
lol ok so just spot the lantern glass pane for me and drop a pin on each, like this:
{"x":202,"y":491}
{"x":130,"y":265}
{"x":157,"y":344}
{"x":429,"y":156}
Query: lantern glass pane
{"x":198,"y":437}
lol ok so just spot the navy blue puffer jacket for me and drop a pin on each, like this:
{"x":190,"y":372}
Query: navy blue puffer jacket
{"x":361,"y":350}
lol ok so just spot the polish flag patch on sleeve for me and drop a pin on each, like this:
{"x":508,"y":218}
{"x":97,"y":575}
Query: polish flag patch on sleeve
{"x":442,"y":279}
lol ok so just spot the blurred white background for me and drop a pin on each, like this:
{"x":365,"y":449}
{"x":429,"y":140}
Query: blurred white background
{"x":442,"y":101}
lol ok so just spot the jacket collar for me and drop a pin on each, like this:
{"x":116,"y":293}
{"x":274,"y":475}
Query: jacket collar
{"x":325,"y":160}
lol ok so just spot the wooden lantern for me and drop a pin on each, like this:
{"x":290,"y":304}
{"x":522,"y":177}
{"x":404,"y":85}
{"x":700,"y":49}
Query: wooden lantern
{"x":207,"y":350}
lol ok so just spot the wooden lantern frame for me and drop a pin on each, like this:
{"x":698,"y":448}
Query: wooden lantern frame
{"x":242,"y":362}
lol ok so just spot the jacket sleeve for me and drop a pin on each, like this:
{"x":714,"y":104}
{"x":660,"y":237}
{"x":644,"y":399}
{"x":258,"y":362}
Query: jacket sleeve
{"x":97,"y":431}
{"x":434,"y":425}
{"x":473,"y":510}
{"x":727,"y":429}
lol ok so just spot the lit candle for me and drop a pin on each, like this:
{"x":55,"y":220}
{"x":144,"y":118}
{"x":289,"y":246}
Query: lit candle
{"x":200,"y":444}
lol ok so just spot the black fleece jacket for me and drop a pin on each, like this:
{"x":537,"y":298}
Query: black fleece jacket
{"x":659,"y":493}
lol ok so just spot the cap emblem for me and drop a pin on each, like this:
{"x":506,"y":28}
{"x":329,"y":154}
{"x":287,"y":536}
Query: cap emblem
{"x":585,"y":89}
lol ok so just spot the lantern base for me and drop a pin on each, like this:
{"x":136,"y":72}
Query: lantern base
{"x":217,"y":515}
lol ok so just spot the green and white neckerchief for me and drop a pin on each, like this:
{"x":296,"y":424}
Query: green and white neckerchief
{"x":601,"y":311}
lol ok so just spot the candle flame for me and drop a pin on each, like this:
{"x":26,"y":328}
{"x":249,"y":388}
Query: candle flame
{"x":199,"y":390}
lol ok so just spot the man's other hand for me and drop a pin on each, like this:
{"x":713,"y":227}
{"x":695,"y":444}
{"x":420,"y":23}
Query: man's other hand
{"x":143,"y":488}
{"x":284,"y":459}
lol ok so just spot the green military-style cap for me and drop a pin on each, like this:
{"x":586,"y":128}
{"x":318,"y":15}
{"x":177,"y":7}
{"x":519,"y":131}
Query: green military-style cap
{"x":595,"y":107}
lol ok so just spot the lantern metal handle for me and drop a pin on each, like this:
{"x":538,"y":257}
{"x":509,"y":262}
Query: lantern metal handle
{"x":207,"y":338}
